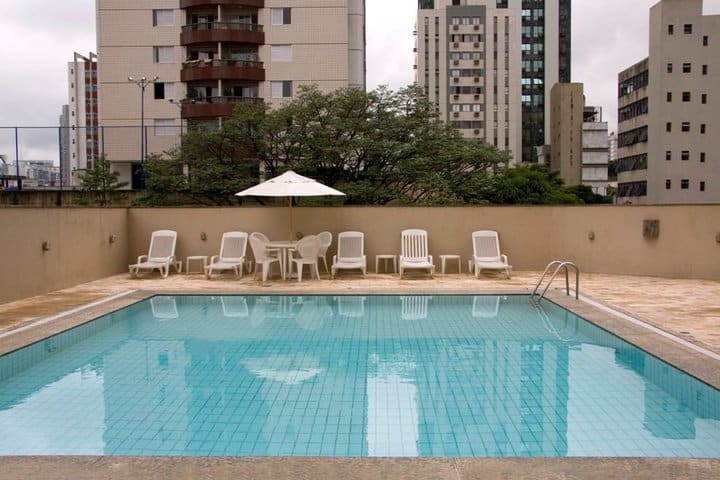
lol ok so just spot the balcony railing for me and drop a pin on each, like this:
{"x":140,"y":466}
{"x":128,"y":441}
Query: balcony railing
{"x":211,"y":107}
{"x":239,"y":3}
{"x":209,"y":32}
{"x":222,"y":69}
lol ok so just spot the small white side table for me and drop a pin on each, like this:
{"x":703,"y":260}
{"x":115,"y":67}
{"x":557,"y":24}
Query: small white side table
{"x":445,"y":257}
{"x":204,"y":259}
{"x":385,"y":257}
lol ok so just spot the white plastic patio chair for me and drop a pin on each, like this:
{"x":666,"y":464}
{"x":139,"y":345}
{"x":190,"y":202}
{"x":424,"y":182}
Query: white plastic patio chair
{"x":161,"y":254}
{"x":263,"y":256}
{"x":325,"y":242}
{"x":414,"y":251}
{"x":306,"y":253}
{"x":350,"y":253}
{"x":232,"y":254}
{"x":486,"y":253}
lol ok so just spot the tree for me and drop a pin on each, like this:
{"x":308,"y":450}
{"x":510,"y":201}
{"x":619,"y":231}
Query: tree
{"x":528,"y":184}
{"x":102,"y":180}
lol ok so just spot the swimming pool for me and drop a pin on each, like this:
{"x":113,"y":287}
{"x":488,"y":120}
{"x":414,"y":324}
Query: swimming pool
{"x":442,"y":376}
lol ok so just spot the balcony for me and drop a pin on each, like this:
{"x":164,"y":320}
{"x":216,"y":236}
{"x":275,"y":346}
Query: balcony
{"x":237,"y":3}
{"x":212,"y":107}
{"x":222,"y":70}
{"x":213,"y":32}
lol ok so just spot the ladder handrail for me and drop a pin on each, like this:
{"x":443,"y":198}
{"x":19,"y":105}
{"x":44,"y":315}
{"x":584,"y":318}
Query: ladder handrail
{"x":560,"y":264}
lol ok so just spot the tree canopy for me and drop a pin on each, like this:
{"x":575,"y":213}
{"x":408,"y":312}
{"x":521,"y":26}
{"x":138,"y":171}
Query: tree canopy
{"x":102,"y":180}
{"x":378,"y":147}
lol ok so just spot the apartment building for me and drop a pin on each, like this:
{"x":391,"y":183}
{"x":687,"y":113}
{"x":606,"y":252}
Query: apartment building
{"x":489,"y":65}
{"x":194,"y":60}
{"x":79,"y":132}
{"x":567,"y":102}
{"x":668,"y":113}
{"x":595,"y":150}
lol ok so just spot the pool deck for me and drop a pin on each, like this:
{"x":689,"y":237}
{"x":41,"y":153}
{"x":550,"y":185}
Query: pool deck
{"x":688,"y":310}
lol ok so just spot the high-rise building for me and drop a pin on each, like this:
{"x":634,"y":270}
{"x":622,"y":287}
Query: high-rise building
{"x":82,"y":133}
{"x":668,"y":110}
{"x":595,"y":150}
{"x":65,"y":169}
{"x":195,"y":60}
{"x":489,"y":66}
{"x":567,"y":102}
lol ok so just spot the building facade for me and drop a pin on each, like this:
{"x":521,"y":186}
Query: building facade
{"x":193,"y":61}
{"x":567,"y":102}
{"x":595,"y":150}
{"x":489,"y":65}
{"x":81,"y":130}
{"x":668,"y":111}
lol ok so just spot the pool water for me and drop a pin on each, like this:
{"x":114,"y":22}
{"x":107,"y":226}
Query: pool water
{"x":440,"y":376}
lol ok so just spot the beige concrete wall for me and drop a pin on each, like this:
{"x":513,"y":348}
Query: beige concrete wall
{"x":530,"y":236}
{"x":79,"y":248}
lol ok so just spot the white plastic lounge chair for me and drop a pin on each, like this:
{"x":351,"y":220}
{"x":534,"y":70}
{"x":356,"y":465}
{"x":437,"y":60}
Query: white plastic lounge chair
{"x":350,"y":254}
{"x":414,"y":251}
{"x":350,"y":306}
{"x":164,"y":308}
{"x":307,"y":254}
{"x":232,"y":254}
{"x":161,"y":254}
{"x":325,"y":241}
{"x":264,"y":256}
{"x":486,"y":306}
{"x":234,"y":306}
{"x":414,"y":307}
{"x":486,"y":253}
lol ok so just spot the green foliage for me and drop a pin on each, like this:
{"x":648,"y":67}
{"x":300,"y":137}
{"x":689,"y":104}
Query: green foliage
{"x":102,"y":180}
{"x":379,"y":147}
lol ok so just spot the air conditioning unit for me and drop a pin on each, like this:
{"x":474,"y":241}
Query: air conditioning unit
{"x":476,"y":97}
{"x":477,"y":114}
{"x":455,"y":27}
{"x":476,"y":45}
{"x":456,"y":45}
{"x":456,"y":62}
{"x":476,"y":131}
{"x":456,"y":114}
{"x":456,"y":97}
{"x":476,"y":27}
{"x":477,"y":80}
{"x":456,"y":79}
{"x":476,"y":62}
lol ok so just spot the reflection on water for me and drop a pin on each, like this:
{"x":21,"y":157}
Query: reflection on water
{"x":349,"y":376}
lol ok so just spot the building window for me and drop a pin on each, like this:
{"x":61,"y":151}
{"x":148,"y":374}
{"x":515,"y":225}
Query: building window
{"x":668,"y":184}
{"x":281,"y":89}
{"x":669,"y":68}
{"x":281,"y":53}
{"x":164,"y":54}
{"x":668,"y":126}
{"x":165,"y":127}
{"x":668,"y":97}
{"x":705,"y":40}
{"x":687,"y":67}
{"x":687,"y":29}
{"x":685,"y":127}
{"x":684,"y":183}
{"x":702,"y":186}
{"x":685,"y":155}
{"x":685,"y":96}
{"x":164,"y":91}
{"x":163,"y":18}
{"x":702,"y":128}
{"x":704,"y":69}
{"x":281,"y":16}
{"x":703,"y":98}
{"x":671,"y":29}
{"x":702,"y":157}
{"x":668,"y":155}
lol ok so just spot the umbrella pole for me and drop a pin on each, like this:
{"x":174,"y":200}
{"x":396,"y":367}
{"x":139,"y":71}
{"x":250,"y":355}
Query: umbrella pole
{"x":290,"y":219}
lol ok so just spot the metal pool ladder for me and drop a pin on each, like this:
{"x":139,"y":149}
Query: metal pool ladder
{"x":560,"y":264}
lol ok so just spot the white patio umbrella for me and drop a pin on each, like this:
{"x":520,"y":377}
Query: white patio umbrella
{"x":289,"y":184}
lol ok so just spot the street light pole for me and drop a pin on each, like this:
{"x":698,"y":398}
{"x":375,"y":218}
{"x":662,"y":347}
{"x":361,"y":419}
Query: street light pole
{"x":142,"y":82}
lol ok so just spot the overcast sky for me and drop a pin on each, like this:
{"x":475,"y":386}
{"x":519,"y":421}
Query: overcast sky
{"x":38,"y":38}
